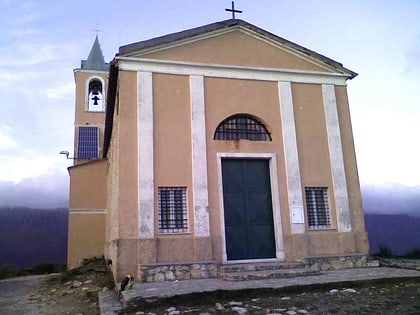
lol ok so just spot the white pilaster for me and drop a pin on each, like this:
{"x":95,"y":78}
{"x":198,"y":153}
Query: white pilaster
{"x":145,"y":153}
{"x":294,"y":185}
{"x":199,"y":157}
{"x":337,"y":160}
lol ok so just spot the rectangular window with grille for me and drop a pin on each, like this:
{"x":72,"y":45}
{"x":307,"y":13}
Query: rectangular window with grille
{"x":88,"y":144}
{"x":317,"y":208}
{"x":173,"y":209}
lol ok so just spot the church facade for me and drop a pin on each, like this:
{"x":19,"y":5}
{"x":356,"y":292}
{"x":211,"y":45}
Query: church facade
{"x":217,"y":145}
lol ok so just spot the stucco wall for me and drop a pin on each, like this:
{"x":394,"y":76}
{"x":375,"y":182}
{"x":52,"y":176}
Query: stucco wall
{"x":86,"y":233}
{"x":224,"y":49}
{"x":86,"y":238}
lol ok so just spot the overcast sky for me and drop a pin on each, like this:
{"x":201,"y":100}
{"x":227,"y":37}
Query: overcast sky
{"x":42,"y":41}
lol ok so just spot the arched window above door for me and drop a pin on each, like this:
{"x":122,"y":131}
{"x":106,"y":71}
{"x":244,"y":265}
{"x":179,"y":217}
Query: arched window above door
{"x":242,"y":126}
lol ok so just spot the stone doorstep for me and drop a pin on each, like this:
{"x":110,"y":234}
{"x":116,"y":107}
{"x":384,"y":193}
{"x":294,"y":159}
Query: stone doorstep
{"x":243,"y":267}
{"x":268,"y":274}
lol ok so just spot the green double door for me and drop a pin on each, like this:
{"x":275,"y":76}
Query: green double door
{"x":248,"y":211}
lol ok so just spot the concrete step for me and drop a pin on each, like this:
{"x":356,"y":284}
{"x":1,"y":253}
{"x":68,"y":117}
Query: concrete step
{"x":267,"y":274}
{"x":252,"y":267}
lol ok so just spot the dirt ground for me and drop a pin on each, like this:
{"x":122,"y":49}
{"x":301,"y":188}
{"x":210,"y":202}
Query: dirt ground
{"x":390,"y":296}
{"x":37,"y":295}
{"x":72,"y":292}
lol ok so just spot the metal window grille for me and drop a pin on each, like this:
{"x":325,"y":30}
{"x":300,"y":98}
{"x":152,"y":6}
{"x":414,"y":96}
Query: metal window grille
{"x":242,"y":127}
{"x":317,"y":207}
{"x":173,"y":209}
{"x":88,"y":147}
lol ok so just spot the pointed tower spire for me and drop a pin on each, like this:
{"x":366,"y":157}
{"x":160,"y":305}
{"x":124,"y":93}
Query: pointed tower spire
{"x":96,"y":60}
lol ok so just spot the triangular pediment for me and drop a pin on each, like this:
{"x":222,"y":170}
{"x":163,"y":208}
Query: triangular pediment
{"x":236,"y":43}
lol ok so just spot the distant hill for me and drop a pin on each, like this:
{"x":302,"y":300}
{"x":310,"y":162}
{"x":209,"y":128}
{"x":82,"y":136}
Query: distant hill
{"x":32,"y":236}
{"x":392,"y":217}
{"x":400,"y":233}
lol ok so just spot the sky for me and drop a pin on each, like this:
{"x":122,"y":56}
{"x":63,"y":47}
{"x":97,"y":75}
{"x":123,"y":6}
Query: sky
{"x":42,"y":41}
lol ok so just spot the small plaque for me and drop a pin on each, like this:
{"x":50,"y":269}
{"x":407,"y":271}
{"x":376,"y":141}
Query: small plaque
{"x":297,"y":215}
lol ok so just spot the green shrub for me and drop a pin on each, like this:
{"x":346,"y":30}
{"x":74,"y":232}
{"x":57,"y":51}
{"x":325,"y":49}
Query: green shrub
{"x":413,"y":254}
{"x":384,"y":251}
{"x":8,"y":272}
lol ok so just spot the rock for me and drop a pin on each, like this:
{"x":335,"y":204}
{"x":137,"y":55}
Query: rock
{"x":76,"y":284}
{"x":53,"y":290}
{"x":291,"y":312}
{"x":174,"y":313}
{"x":280,"y":310}
{"x":333,"y":291}
{"x":255,"y":300}
{"x":158,"y":277}
{"x":35,"y":297}
{"x":240,"y":310}
{"x":139,"y":313}
{"x":302,"y":312}
{"x":233,"y":303}
{"x":349,"y":291}
{"x":85,"y":289}
{"x":325,"y":266}
{"x":285,"y":298}
{"x":219,"y":307}
{"x":87,"y":282}
{"x":171,"y":309}
{"x":169,"y":275}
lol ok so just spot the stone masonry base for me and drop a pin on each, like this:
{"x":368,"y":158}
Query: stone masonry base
{"x":211,"y":269}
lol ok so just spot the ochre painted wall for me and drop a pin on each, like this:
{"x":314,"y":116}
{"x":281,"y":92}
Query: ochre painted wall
{"x":172,"y":158}
{"x":86,"y":232}
{"x":86,"y":238}
{"x":223,"y":50}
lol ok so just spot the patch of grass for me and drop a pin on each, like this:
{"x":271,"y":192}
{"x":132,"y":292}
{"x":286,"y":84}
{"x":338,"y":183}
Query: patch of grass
{"x":413,"y":254}
{"x":384,"y":251}
{"x":8,"y":272}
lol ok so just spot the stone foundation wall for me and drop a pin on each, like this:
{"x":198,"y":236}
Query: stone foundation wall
{"x":203,"y":270}
{"x":181,"y":271}
{"x":339,"y":262}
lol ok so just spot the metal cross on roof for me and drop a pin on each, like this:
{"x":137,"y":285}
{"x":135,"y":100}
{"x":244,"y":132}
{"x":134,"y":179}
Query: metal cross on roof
{"x":233,"y":10}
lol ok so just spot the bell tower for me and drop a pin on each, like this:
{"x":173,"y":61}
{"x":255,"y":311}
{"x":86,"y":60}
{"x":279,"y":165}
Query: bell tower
{"x":91,"y":85}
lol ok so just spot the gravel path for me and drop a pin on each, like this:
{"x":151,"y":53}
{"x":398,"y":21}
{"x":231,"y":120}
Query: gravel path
{"x":15,"y":294}
{"x":34,"y":296}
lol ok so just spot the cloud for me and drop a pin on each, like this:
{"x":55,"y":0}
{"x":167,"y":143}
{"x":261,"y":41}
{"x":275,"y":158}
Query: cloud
{"x":49,"y":190}
{"x":24,"y":32}
{"x":21,"y":164}
{"x":61,"y":92}
{"x":385,"y":146}
{"x":392,"y":198}
{"x":7,"y":142}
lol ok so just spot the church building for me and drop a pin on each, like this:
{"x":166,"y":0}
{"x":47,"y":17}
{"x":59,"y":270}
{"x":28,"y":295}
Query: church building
{"x":216,"y":146}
